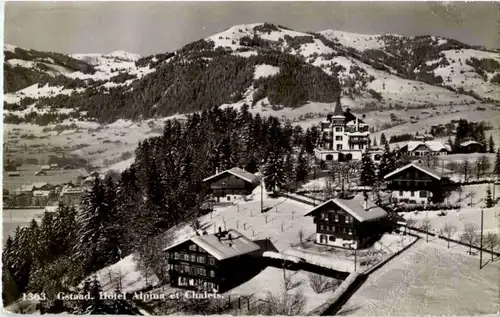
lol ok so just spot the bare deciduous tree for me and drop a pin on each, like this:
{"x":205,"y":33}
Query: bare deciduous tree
{"x":448,"y":230}
{"x":320,"y":283}
{"x":410,"y":222}
{"x":426,"y":226}
{"x":491,"y":241}
{"x":469,"y":235}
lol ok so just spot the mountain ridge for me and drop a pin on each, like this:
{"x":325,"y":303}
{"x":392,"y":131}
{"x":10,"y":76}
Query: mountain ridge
{"x":383,"y":69}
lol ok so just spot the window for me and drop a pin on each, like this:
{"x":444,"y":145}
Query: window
{"x":201,"y":259}
{"x":400,"y":193}
{"x":202,"y":271}
{"x":186,"y":257}
{"x":211,"y":261}
{"x":338,"y":138}
{"x":323,"y":215}
{"x":331,"y":238}
{"x":193,"y":258}
{"x":347,"y":219}
{"x":329,"y":157}
{"x":333,"y":229}
{"x":228,"y":198}
{"x":338,"y":129}
{"x":212,"y":273}
{"x":350,"y":231}
{"x":192,"y":247}
{"x":185,"y":268}
{"x":321,"y":227}
{"x":336,"y":218}
{"x":176,"y":255}
{"x":339,"y":146}
{"x":423,"y":194}
{"x":412,"y":193}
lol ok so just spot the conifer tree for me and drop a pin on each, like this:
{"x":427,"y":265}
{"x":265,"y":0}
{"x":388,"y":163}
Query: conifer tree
{"x":303,"y":168}
{"x":367,"y":177}
{"x":91,"y":220}
{"x":383,"y":140}
{"x":491,"y":145}
{"x":289,"y":167}
{"x":496,"y":168}
{"x":489,"y":200}
{"x":374,"y":141}
{"x":275,"y":174}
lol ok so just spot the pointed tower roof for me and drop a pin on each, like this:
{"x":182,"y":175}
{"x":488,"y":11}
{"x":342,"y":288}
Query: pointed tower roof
{"x":338,"y":110}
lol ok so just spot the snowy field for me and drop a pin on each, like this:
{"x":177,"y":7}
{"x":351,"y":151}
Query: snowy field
{"x":271,"y":280}
{"x":491,"y":220}
{"x":428,"y":279}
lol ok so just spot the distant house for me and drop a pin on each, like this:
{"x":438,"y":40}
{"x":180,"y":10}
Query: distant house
{"x":13,"y":174}
{"x":10,"y":167}
{"x":349,"y":223}
{"x":41,"y":173}
{"x":471,"y":146}
{"x":423,"y":137}
{"x":28,"y":189}
{"x":45,"y":167}
{"x":68,"y":167}
{"x":425,"y":148}
{"x":211,"y":261}
{"x":416,"y":184}
{"x":41,"y":197}
{"x":54,"y":166}
{"x":71,"y":195}
{"x":232,"y":184}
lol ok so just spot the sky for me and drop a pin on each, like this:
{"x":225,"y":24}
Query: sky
{"x":158,"y":27}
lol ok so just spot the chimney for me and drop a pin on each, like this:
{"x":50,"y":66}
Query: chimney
{"x":229,"y":237}
{"x":220,"y":230}
{"x":217,"y":170}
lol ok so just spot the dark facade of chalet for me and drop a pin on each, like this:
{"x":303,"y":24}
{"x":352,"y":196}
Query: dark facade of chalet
{"x":471,"y":147}
{"x":417,"y":184}
{"x":231,"y":184}
{"x":350,"y":223}
{"x":212,"y":262}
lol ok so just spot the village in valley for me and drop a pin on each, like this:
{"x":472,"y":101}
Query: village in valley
{"x":257,"y":171}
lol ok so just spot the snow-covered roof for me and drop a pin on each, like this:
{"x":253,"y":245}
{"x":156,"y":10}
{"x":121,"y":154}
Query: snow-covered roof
{"x":425,"y":169}
{"x":41,"y":193}
{"x":45,"y":167}
{"x":434,"y":146}
{"x":238,"y":172}
{"x":232,"y":243}
{"x":356,"y":208}
{"x":467,"y":143}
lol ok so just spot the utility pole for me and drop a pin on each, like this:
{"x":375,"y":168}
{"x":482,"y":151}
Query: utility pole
{"x":481,"y":242}
{"x":262,"y":194}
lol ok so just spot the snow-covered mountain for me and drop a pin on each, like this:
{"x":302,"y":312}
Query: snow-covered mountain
{"x":259,"y":64}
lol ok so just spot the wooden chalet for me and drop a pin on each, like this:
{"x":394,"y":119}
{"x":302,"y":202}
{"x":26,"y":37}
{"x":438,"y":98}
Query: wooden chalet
{"x":349,"y":223}
{"x":415,"y":183}
{"x":71,"y":195}
{"x":425,"y":148}
{"x":471,"y":146}
{"x":231,"y":184}
{"x":212,"y":262}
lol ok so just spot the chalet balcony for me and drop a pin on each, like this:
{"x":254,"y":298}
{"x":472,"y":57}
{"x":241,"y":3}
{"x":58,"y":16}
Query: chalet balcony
{"x":413,"y":184}
{"x":358,"y":140}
